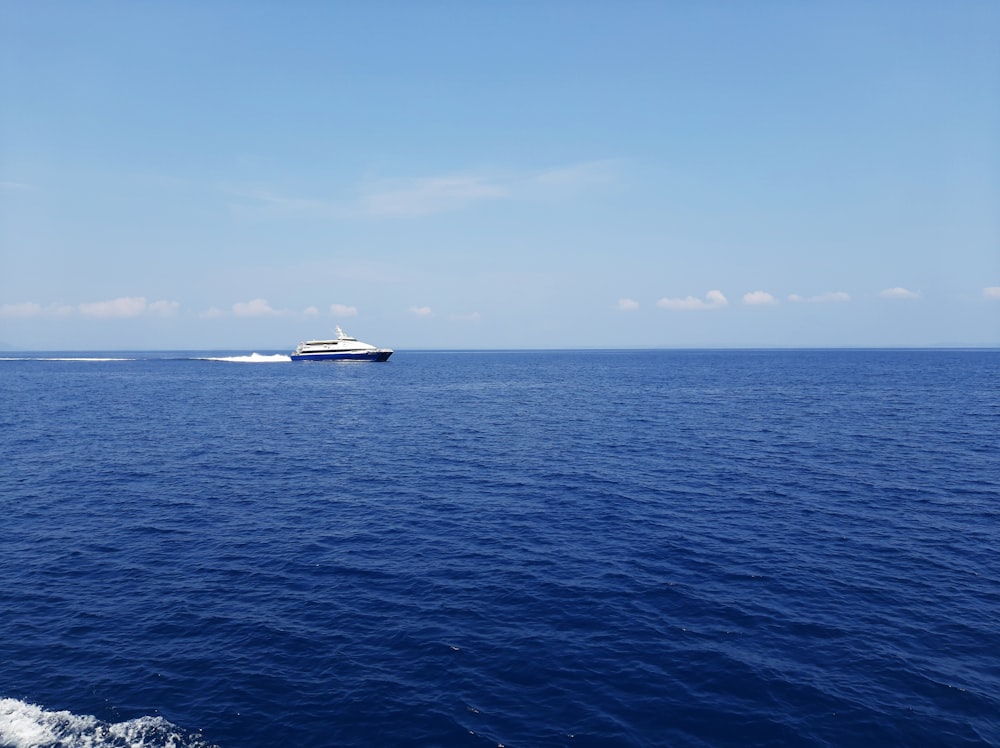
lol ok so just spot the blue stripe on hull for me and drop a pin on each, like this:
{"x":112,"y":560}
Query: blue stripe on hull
{"x":373,"y":356}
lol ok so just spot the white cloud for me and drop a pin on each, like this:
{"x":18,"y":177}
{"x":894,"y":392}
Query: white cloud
{"x":834,"y":296}
{"x":255,"y":308}
{"x":421,"y":311}
{"x":343,"y":310}
{"x":124,"y":306}
{"x":120,"y":308}
{"x":716,"y":298}
{"x":759,"y":298}
{"x":165,"y":308}
{"x":898,"y":293}
{"x":627,"y":305}
{"x":128,"y":306}
{"x":992,"y":292}
{"x":713,"y":300}
{"x":310,"y":311}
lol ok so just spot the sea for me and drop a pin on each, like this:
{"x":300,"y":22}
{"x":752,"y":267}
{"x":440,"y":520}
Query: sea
{"x":500,"y":548}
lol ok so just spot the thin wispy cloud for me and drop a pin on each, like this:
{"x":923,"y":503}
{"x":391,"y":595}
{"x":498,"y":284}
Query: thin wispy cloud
{"x":414,"y":197}
{"x":992,"y":292}
{"x":421,"y":311}
{"x":16,"y":187}
{"x":399,"y":197}
{"x":426,"y":196}
{"x":576,"y":176}
{"x":421,"y":197}
{"x":823,"y":298}
{"x":627,"y":305}
{"x":267,"y":202}
{"x":759,"y":298}
{"x":310,"y":311}
{"x":713,"y":300}
{"x":898,"y":293}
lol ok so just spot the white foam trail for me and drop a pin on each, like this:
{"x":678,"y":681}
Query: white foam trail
{"x":34,"y":358}
{"x":253,"y":358}
{"x":24,"y":725}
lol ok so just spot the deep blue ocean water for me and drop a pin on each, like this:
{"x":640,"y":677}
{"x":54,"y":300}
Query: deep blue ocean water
{"x":647,"y":548}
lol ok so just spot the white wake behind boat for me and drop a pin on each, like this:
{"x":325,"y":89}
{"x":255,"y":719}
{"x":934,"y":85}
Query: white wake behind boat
{"x":343,"y":348}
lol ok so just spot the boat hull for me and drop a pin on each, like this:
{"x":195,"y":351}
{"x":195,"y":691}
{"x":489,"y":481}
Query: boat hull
{"x":342,"y":356}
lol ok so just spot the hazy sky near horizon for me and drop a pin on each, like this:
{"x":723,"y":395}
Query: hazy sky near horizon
{"x":245,"y":175}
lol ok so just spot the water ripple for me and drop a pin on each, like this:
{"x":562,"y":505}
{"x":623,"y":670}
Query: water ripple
{"x":679,"y":548}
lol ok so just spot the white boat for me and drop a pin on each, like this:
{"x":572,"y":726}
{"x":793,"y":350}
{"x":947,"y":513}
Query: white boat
{"x":344,"y":348}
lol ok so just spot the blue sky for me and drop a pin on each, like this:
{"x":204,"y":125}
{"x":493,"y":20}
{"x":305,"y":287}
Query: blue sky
{"x":245,"y":175}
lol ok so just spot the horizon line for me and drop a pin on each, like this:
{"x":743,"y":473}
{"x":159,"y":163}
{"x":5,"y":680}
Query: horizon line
{"x":274,"y":350}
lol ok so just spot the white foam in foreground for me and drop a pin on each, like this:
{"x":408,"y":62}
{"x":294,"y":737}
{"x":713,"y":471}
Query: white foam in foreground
{"x":24,"y":725}
{"x":253,"y":358}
